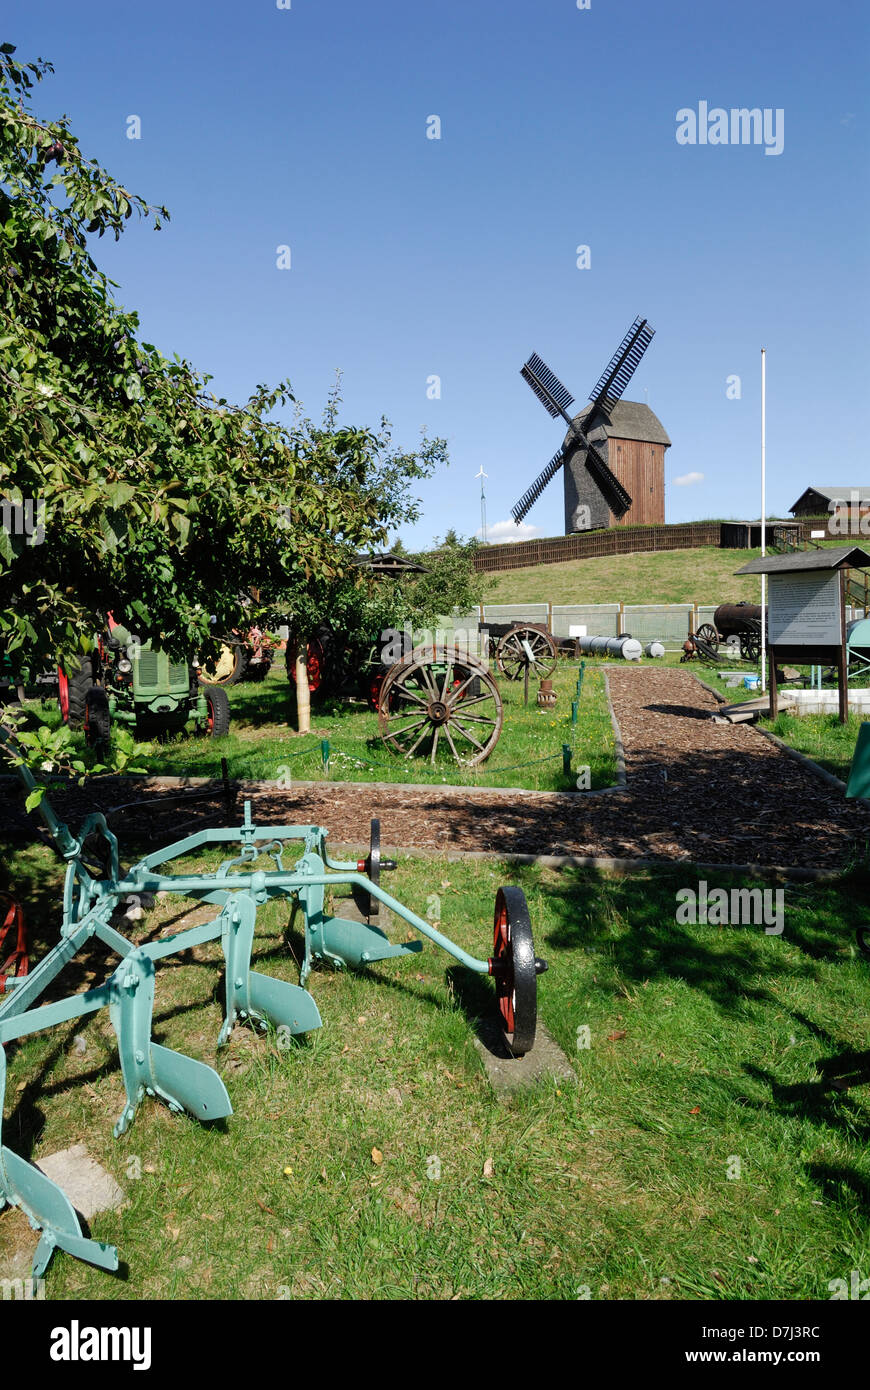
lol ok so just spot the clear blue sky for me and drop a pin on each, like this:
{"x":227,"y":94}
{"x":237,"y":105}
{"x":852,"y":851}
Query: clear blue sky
{"x":456,"y":257}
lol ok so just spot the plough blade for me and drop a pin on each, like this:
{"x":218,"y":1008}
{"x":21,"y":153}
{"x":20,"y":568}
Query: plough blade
{"x":283,"y":1004}
{"x":251,"y":995}
{"x":50,"y":1210}
{"x":180,"y":1081}
{"x":188,"y":1084}
{"x":46,"y":1206}
{"x":354,"y":943}
{"x":94,"y":1252}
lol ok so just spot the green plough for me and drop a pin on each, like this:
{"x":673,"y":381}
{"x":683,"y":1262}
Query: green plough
{"x":93,"y":891}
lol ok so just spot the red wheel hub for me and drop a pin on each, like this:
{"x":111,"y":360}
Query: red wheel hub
{"x":314,"y":664}
{"x":501,"y":968}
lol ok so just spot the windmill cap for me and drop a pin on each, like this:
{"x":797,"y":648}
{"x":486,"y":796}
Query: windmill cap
{"x":629,"y":420}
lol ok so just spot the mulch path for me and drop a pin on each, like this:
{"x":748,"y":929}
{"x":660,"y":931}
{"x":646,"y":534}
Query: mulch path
{"x":716,"y":793}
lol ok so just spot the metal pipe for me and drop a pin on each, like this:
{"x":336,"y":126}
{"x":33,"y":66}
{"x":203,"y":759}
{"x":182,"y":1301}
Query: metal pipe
{"x":196,"y":885}
{"x":626,"y":647}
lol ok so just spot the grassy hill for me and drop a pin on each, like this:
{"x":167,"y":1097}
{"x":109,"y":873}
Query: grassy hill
{"x":662,"y":576}
{"x":704,"y":575}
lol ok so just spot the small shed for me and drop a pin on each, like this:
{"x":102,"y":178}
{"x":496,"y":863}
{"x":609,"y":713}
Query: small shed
{"x":746,"y":535}
{"x":385,"y":565}
{"x":807,"y":610}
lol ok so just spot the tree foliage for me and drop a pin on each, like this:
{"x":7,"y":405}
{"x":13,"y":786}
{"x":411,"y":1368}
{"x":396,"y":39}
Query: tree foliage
{"x":148,"y":496}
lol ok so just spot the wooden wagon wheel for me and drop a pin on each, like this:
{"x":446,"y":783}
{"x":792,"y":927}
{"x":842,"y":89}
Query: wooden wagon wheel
{"x":440,"y":697}
{"x":750,"y":646}
{"x":708,"y":634}
{"x":511,"y":658}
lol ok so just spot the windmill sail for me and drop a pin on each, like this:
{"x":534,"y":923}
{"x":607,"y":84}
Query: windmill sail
{"x":622,"y":366}
{"x":549,"y":390}
{"x":530,"y":497}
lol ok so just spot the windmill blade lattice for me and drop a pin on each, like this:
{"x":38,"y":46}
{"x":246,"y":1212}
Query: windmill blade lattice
{"x":608,"y":390}
{"x":531,"y":495}
{"x":549,"y":390}
{"x":622,"y":366}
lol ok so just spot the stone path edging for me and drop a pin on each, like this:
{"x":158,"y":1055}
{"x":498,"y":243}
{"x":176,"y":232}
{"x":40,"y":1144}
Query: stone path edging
{"x":614,"y":866}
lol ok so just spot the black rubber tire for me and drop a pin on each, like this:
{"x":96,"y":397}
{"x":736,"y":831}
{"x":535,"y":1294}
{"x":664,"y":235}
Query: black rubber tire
{"x":79,"y":683}
{"x":218,"y":702}
{"x":517,"y":981}
{"x":257,"y":670}
{"x":862,"y":937}
{"x":98,"y":719}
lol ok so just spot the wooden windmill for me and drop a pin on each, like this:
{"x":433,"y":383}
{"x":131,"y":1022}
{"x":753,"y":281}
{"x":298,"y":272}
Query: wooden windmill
{"x":613,"y":453}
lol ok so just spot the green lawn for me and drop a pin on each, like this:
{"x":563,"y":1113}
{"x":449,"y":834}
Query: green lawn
{"x":262,"y":746}
{"x":821,"y":737}
{"x":704,"y":575}
{"x":713,"y":1144}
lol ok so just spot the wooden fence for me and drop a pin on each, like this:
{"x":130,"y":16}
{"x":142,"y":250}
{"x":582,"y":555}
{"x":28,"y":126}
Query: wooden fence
{"x":622,"y":540}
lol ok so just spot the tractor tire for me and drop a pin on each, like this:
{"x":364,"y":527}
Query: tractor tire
{"x":218,"y":702}
{"x":258,"y":670}
{"x":318,"y":647}
{"x":98,"y":719}
{"x":78,"y":684}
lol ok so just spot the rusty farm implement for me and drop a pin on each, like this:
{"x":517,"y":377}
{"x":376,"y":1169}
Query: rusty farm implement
{"x":252,"y":873}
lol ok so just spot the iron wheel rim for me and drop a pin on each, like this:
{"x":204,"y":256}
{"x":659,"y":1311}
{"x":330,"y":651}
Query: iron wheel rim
{"x":514,"y":970}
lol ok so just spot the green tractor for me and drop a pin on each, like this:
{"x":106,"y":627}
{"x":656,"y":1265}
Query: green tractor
{"x":133,"y":682}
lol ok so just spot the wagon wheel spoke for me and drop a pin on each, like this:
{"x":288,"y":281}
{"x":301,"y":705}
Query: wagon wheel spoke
{"x":402,"y":729}
{"x":403,"y":690}
{"x":435,"y":743}
{"x":470,"y":737}
{"x":398,"y":738}
{"x":457,"y":694}
{"x":473,"y":700}
{"x":448,"y":676}
{"x":416,"y":744}
{"x":447,"y":735}
{"x":426,"y":680}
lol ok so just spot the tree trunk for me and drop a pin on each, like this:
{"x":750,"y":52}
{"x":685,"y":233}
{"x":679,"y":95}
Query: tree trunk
{"x":303,"y":694}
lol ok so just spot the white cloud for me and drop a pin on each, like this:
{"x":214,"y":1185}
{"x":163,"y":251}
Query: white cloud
{"x":502,"y":531}
{"x":688,"y":480}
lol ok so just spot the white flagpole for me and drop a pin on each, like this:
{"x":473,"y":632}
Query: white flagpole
{"x":763,"y":516}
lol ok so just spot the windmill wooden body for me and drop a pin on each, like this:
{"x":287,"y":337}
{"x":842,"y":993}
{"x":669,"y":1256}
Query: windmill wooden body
{"x":613,"y":454}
